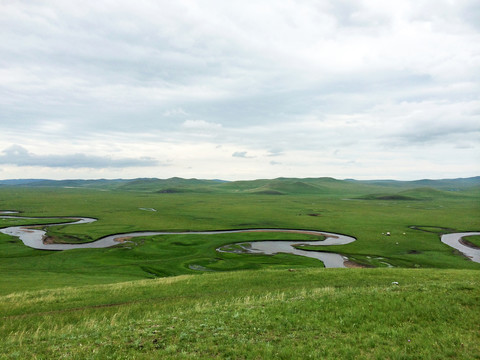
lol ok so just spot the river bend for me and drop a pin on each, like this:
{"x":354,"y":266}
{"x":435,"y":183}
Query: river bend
{"x":455,"y":241}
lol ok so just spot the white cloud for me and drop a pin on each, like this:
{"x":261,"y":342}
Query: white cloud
{"x":275,"y":152}
{"x":175,"y":112}
{"x":200,"y":125}
{"x":241,"y":154}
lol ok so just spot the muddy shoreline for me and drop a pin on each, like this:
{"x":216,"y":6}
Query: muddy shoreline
{"x":468,"y":243}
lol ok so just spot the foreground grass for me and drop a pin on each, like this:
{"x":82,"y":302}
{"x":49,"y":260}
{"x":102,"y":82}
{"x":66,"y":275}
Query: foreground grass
{"x":266,"y":314}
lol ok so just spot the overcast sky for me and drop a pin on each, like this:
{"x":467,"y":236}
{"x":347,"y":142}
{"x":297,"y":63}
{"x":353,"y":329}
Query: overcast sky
{"x":363,"y":89}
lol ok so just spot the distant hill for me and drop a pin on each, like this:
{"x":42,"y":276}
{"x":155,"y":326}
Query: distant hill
{"x":387,"y":197}
{"x":98,"y":183}
{"x":16,"y":182}
{"x":171,"y":185}
{"x":281,"y":186}
{"x":443,"y":184}
{"x":430,"y":193}
{"x":359,"y":189}
{"x":288,"y":187}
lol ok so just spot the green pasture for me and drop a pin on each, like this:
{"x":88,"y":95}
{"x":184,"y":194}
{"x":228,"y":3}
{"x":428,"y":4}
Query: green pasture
{"x":120,"y":211}
{"x":263,"y":314}
{"x":473,"y":240}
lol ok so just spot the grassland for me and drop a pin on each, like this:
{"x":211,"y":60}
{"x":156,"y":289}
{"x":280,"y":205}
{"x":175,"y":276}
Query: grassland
{"x":176,"y":297}
{"x":265,"y":314}
{"x":473,"y":240}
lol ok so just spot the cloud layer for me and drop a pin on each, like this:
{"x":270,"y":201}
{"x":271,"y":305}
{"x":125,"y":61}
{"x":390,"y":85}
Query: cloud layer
{"x":215,"y":89}
{"x":19,"y":156}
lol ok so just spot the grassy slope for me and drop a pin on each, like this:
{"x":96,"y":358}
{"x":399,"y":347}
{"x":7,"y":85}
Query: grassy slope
{"x":266,"y":314}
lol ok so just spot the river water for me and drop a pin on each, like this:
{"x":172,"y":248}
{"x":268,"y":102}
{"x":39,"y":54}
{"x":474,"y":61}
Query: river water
{"x":454,"y":240}
{"x":330,"y":260}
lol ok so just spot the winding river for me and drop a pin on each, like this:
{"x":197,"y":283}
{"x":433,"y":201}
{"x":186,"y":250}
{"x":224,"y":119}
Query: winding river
{"x":33,"y":237}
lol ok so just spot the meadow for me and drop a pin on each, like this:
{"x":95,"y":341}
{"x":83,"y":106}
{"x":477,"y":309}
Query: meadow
{"x":264,"y":314}
{"x":175,"y":296}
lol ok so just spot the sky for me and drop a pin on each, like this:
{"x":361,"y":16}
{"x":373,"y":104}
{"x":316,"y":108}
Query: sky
{"x":213,"y":89}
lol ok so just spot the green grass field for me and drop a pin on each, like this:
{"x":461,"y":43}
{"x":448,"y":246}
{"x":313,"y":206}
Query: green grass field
{"x":264,"y":314}
{"x":175,"y":296}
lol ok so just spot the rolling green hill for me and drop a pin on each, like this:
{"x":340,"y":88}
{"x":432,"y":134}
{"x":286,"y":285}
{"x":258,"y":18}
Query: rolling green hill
{"x":287,"y":187}
{"x":280,"y":186}
{"x":419,"y":194}
{"x":163,"y":185}
{"x":443,"y":184}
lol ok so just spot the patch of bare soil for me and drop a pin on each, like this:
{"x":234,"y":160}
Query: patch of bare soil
{"x":123,"y":239}
{"x":28,"y":228}
{"x":468,"y":244}
{"x":48,"y":240}
{"x":353,"y":265}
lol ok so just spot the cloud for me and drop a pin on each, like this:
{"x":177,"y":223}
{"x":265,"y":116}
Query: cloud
{"x":175,"y":112}
{"x":275,"y":152}
{"x":241,"y":154}
{"x":18,"y":155}
{"x":200,"y":125}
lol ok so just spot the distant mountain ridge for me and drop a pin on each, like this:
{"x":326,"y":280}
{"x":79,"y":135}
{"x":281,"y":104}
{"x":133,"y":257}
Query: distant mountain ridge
{"x":440,"y":183}
{"x":359,"y":189}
